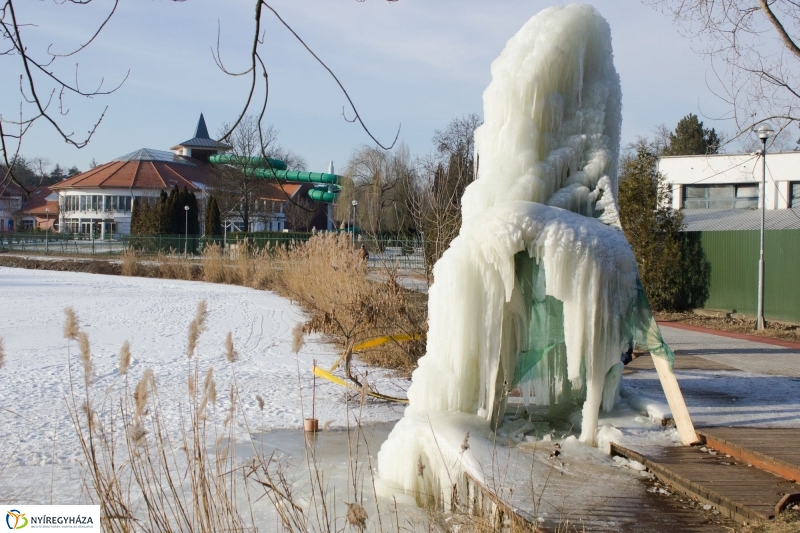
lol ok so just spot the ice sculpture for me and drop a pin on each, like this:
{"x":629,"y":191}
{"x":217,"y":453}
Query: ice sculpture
{"x":540,"y":288}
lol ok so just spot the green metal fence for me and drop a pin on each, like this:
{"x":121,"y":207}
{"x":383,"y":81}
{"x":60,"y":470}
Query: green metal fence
{"x":404,"y":254}
{"x":733,"y":256}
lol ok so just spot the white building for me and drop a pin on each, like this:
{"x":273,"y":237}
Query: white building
{"x":721,"y":192}
{"x":99,"y":201}
{"x":731,"y":181}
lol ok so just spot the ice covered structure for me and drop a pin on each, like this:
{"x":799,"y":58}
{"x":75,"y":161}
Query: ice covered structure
{"x":540,"y":288}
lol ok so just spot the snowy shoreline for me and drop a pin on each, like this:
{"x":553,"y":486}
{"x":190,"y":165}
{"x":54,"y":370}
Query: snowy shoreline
{"x":153,"y":315}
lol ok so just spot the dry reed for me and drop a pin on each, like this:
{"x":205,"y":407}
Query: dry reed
{"x":174,"y":266}
{"x":180,"y":485}
{"x":124,"y":357}
{"x":197,"y":326}
{"x":2,"y":353}
{"x":130,"y":263}
{"x":298,"y":337}
{"x":243,"y":262}
{"x":86,"y":356}
{"x":209,"y":392}
{"x":71,"y":324}
{"x":326,"y":276}
{"x":215,"y":269}
{"x":230,"y":351}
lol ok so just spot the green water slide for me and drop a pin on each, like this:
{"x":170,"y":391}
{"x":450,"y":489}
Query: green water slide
{"x":326,"y":189}
{"x":226,"y":159}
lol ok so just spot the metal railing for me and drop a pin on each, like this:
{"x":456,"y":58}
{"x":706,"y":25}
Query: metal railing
{"x":404,"y":254}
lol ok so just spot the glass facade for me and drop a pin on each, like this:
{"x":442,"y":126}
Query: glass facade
{"x":720,"y":196}
{"x":794,"y":193}
{"x":97,"y":203}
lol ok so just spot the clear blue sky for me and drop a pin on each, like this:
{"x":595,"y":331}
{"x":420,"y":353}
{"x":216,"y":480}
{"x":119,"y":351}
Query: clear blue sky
{"x":418,"y":63}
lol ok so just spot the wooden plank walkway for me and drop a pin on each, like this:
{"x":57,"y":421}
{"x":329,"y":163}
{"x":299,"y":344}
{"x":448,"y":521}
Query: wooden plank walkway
{"x":620,"y":511}
{"x":737,"y":489}
{"x":775,"y":450}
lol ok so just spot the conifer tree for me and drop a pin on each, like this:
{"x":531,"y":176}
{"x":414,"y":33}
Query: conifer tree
{"x":651,"y":226}
{"x":690,"y":138}
{"x":193,"y":217}
{"x":213,"y":221}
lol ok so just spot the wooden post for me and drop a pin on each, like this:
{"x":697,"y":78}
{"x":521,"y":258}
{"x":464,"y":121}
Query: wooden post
{"x":675,"y":400}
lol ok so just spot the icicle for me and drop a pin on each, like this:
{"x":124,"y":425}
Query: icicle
{"x":548,"y":150}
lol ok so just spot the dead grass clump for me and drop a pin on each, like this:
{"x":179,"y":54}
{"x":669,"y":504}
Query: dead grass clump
{"x":215,"y":268}
{"x":130,"y":263}
{"x":2,"y":353}
{"x":327,"y":277}
{"x":244,"y":267}
{"x":263,"y":273}
{"x":174,"y":266}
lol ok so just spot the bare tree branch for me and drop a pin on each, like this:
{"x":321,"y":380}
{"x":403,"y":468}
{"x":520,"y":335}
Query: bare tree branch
{"x":755,"y":59}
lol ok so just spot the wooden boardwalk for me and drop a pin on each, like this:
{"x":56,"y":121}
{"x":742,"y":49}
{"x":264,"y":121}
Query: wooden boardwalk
{"x":726,"y":478}
{"x":774,"y":450}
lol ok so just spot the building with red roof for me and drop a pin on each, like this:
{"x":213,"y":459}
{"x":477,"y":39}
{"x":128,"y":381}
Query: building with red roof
{"x":12,"y":199}
{"x":40,"y":211}
{"x":100,"y":201}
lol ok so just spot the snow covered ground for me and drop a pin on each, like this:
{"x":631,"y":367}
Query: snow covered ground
{"x":40,"y":451}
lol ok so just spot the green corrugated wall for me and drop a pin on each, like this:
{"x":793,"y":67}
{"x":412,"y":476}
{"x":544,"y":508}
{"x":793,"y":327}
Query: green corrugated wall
{"x":733,"y":256}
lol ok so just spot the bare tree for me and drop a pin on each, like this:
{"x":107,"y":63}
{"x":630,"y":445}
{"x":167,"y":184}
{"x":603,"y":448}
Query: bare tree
{"x":436,"y":206}
{"x":381,"y":182}
{"x":237,"y":190}
{"x":256,"y":72}
{"x":300,"y":213}
{"x":755,"y":58}
{"x":44,"y":90}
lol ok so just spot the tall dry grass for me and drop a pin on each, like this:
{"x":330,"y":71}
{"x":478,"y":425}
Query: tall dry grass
{"x":174,"y":266}
{"x":243,"y":265}
{"x":144,"y":477}
{"x":215,"y":268}
{"x":148,"y":476}
{"x":327,"y":276}
{"x":130,"y":263}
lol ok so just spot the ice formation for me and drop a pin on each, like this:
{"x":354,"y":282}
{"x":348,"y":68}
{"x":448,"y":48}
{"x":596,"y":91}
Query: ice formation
{"x":540,"y":266}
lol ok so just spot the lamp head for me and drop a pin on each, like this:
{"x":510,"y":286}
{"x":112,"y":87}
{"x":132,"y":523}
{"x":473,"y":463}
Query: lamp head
{"x":186,"y":207}
{"x":355,"y":203}
{"x":764,"y":131}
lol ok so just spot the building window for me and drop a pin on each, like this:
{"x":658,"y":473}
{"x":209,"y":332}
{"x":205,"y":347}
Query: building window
{"x":720,"y":197}
{"x":794,"y":194}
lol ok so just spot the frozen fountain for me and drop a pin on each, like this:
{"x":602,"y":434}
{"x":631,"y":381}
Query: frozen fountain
{"x":540,"y":290}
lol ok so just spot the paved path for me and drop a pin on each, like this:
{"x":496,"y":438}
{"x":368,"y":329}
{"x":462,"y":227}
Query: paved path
{"x":756,"y":357}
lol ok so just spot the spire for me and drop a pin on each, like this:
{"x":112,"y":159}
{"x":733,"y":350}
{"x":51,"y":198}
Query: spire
{"x":201,"y":132}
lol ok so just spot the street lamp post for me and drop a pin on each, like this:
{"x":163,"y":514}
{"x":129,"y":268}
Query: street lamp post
{"x":355,"y":204}
{"x":186,"y":227}
{"x":764,"y":132}
{"x":46,"y":231}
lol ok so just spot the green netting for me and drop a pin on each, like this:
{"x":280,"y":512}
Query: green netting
{"x":546,"y":321}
